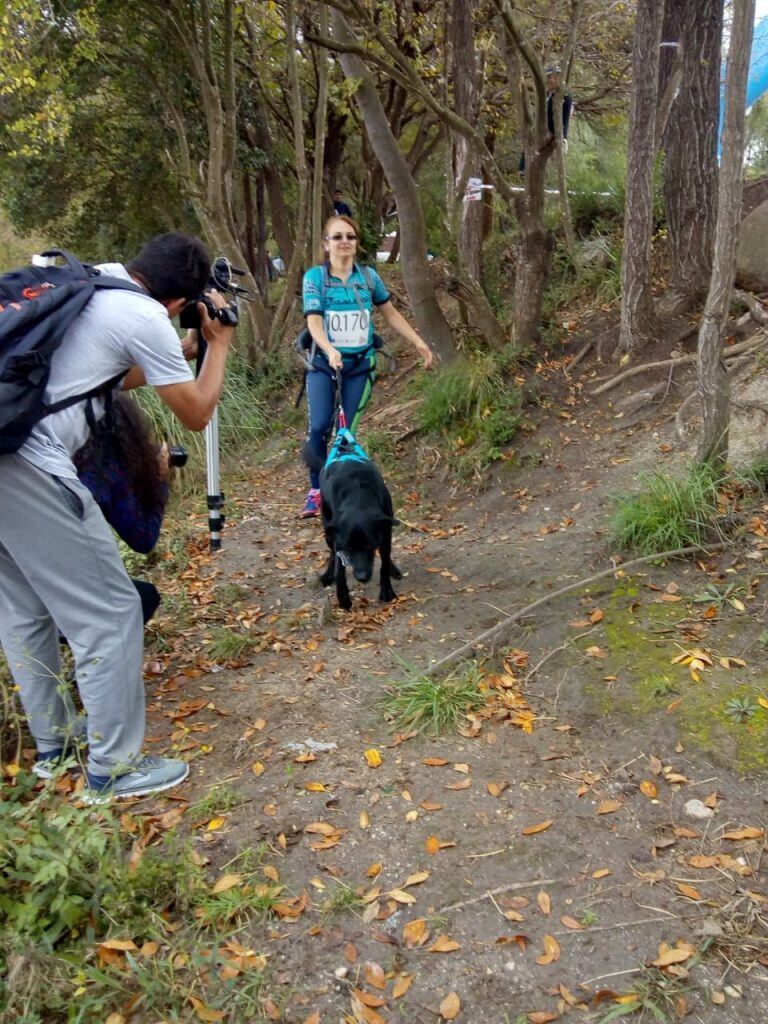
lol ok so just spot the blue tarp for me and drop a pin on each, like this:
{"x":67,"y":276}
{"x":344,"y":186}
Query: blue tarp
{"x":757,"y":83}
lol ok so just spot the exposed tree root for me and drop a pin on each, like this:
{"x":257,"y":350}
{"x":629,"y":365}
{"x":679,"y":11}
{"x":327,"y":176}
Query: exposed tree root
{"x":495,"y":634}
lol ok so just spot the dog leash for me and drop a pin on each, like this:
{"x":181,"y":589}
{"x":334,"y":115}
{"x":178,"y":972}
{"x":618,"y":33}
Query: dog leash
{"x":341,"y":419}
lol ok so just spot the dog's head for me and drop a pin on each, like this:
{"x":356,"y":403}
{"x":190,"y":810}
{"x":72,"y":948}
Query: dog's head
{"x":357,"y":542}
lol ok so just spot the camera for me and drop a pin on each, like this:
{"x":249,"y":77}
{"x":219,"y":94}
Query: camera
{"x":222,"y":278}
{"x":177,"y":455}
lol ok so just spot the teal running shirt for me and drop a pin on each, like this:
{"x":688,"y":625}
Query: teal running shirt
{"x":346,"y":308}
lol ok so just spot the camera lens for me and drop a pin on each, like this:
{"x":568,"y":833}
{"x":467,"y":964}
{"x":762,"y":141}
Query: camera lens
{"x":177,"y":455}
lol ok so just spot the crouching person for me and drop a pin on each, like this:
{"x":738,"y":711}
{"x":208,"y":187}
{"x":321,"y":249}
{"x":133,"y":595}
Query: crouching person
{"x":60,"y":567}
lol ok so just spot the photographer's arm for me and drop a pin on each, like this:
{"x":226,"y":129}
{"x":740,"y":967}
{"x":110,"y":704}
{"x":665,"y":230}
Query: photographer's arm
{"x":194,"y":401}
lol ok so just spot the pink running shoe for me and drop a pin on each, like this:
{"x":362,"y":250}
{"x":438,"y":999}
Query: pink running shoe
{"x":312,"y":504}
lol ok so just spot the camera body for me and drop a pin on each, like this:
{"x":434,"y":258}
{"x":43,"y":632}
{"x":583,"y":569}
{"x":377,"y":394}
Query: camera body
{"x":222,"y":279}
{"x":189,"y":318}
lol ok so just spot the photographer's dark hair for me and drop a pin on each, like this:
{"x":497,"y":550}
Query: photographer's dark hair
{"x":126,"y":436}
{"x":173,"y":266}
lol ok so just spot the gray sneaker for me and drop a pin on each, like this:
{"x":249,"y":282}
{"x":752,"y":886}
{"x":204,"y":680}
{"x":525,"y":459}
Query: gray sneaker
{"x":149,"y":775}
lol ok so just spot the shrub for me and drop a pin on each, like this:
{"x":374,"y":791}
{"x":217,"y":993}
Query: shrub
{"x":473,"y":400}
{"x":668,"y":513}
{"x":434,"y":707}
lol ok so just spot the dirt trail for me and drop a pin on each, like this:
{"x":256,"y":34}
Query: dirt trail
{"x":559,"y":854}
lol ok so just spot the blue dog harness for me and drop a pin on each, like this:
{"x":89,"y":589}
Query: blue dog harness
{"x":345,"y":446}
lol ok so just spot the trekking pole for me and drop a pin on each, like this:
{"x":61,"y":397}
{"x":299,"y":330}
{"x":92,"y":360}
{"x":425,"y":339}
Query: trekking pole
{"x":215,"y":497}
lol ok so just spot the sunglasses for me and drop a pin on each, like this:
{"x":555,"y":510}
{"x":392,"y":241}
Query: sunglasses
{"x":339,"y":238}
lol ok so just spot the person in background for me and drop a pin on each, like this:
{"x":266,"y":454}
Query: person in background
{"x":553,"y":79}
{"x":339,"y":298}
{"x":340,"y":208}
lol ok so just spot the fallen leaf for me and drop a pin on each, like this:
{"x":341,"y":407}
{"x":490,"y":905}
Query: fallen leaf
{"x":314,"y":787}
{"x":542,"y":1017}
{"x":601,"y":872}
{"x":226,"y":882}
{"x":673,"y":955}
{"x":701,"y":861}
{"x":373,"y":758}
{"x":373,"y":870}
{"x":401,"y":985}
{"x":541,"y":827}
{"x":444,"y":944}
{"x":215,"y":823}
{"x":416,"y":879}
{"x":609,"y":806}
{"x":435,"y":762}
{"x":551,"y":951}
{"x":415,"y":933}
{"x":374,"y":975}
{"x":123,"y":945}
{"x":401,"y":896}
{"x":461,"y":784}
{"x":257,"y":767}
{"x":450,"y":1006}
{"x":649,"y":789}
{"x":367,"y":999}
{"x":432,"y":845}
{"x":572,"y":923}
{"x":688,"y":890}
{"x":544,"y":901}
{"x":204,"y":1012}
{"x":744,"y":833}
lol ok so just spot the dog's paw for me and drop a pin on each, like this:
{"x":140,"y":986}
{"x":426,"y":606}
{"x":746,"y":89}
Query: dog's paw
{"x":345,"y":601}
{"x":394,"y":572}
{"x":387,"y":594}
{"x":327,"y":578}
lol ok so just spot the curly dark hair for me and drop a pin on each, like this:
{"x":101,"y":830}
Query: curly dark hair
{"x":127,"y":434}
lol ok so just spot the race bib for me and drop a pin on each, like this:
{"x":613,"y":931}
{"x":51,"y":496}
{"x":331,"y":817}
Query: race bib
{"x":349,"y":329}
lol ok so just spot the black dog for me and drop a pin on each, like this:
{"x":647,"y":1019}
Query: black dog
{"x":357,"y":518}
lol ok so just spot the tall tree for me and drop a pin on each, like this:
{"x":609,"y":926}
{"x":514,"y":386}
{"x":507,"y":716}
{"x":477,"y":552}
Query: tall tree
{"x":713,"y":382}
{"x":637,"y":316}
{"x":466,"y":163}
{"x":690,"y":146}
{"x":429,"y":317}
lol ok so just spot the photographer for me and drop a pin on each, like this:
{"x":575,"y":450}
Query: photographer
{"x":59,"y":561}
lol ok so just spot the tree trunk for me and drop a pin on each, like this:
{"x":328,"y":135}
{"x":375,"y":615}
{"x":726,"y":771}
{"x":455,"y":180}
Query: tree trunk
{"x":429,"y":318}
{"x":295,"y":268}
{"x":273,"y":178}
{"x":637,"y":316}
{"x":690,"y":148}
{"x":713,"y":381}
{"x":465,"y":162}
{"x":321,"y":119}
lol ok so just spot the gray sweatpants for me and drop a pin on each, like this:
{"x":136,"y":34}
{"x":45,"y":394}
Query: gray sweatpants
{"x":60,"y":567}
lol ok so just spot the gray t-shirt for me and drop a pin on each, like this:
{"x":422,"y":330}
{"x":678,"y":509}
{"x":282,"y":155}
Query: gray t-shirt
{"x":116,"y":330}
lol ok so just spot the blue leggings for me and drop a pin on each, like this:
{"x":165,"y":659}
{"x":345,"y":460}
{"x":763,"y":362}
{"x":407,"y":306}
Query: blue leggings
{"x":356,"y":387}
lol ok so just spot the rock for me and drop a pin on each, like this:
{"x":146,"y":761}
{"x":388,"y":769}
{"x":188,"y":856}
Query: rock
{"x":752,"y":260}
{"x":697,"y":809}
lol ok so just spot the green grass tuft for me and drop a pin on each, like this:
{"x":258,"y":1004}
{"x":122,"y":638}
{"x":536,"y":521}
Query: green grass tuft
{"x":668,"y":513}
{"x":434,"y":707}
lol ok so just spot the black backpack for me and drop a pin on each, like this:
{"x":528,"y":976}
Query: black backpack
{"x":37,"y":305}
